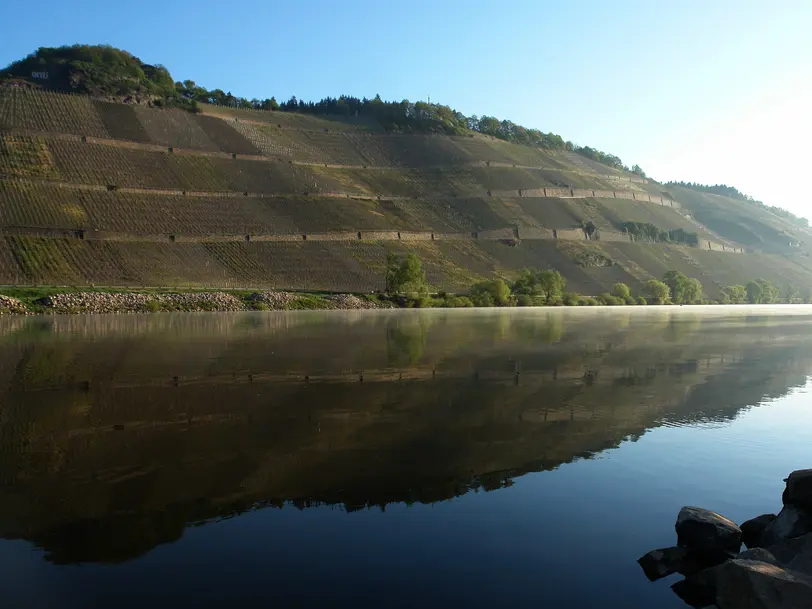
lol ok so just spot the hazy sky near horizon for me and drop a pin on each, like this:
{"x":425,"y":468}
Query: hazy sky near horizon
{"x":707,"y":91}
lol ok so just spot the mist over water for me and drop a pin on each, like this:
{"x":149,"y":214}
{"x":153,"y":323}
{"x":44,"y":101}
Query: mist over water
{"x":477,"y":458}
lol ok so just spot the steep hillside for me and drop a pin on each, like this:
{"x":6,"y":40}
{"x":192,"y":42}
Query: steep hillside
{"x":94,"y":191}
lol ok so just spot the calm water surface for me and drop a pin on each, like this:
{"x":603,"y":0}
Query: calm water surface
{"x":520,"y":458}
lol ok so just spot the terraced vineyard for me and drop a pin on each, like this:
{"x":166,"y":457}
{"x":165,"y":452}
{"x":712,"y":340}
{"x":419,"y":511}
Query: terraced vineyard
{"x":96,"y":192}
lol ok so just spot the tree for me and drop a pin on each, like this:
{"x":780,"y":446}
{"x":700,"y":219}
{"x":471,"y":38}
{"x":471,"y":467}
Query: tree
{"x":552,"y":284}
{"x":490,"y":293}
{"x":753,"y":292}
{"x":607,"y":299}
{"x":769,"y":292}
{"x":405,"y":274}
{"x":793,"y":295}
{"x":548,"y":284}
{"x":571,"y":299}
{"x":658,"y":292}
{"x":735,"y":294}
{"x":684,"y":289}
{"x":622,"y":291}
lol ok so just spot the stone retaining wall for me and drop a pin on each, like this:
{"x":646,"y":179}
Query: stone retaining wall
{"x":497,"y":234}
{"x":531,"y":232}
{"x":416,"y":236}
{"x":613,"y":236}
{"x":570,"y":234}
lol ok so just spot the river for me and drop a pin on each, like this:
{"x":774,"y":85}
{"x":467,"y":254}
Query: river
{"x":477,"y":458}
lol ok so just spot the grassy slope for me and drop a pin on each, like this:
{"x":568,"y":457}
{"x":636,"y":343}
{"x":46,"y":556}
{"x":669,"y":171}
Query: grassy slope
{"x":448,"y":173}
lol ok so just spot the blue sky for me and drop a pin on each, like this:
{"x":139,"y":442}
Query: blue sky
{"x":707,"y":91}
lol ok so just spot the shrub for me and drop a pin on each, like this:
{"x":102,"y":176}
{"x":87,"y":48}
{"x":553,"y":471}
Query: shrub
{"x":659,"y":293}
{"x":490,"y":293}
{"x":621,"y":291}
{"x":607,"y":299}
{"x":571,"y":299}
{"x":588,"y":301}
{"x":524,"y":300}
{"x":641,"y":300}
{"x":548,"y":284}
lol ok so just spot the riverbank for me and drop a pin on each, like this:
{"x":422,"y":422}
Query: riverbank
{"x":28,"y":301}
{"x":66,"y":301}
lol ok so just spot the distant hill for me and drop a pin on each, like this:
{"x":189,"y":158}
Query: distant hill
{"x":101,"y":71}
{"x":313,"y":196}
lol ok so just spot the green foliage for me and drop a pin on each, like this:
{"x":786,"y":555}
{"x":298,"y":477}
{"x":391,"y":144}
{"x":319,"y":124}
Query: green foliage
{"x":734,"y":294}
{"x":548,"y":284}
{"x":658,"y":292}
{"x":405,"y":275}
{"x":98,"y":70}
{"x":588,"y":301}
{"x":606,"y":298}
{"x":490,"y":293}
{"x":793,"y":295}
{"x":641,"y":300}
{"x":649,"y":232}
{"x":622,"y":291}
{"x":753,"y":292}
{"x":684,"y":289}
{"x":524,"y":300}
{"x":571,"y":299}
{"x":761,"y":291}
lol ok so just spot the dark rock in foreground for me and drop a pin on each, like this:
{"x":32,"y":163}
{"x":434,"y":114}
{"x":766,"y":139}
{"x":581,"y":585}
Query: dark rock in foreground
{"x":791,"y":522}
{"x":753,"y":529}
{"x":705,"y":531}
{"x":799,"y":489}
{"x":795,"y":554}
{"x":751,"y":584}
{"x":663,"y":562}
{"x":775,"y":573}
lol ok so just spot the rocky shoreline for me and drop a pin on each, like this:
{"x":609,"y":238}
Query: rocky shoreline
{"x":154,"y":302}
{"x":775,"y":572}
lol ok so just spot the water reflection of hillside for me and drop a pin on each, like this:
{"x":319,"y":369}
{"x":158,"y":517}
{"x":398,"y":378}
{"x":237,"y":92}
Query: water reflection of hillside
{"x":117,"y":435}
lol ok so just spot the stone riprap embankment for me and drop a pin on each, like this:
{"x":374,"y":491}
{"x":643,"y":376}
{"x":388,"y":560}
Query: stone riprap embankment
{"x":775,"y":572}
{"x":101,"y":302}
{"x":273,"y":300}
{"x":11,"y":305}
{"x":146,"y":302}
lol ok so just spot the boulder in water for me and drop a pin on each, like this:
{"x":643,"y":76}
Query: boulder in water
{"x":799,"y":489}
{"x":753,"y":529}
{"x":705,"y":531}
{"x":791,"y":522}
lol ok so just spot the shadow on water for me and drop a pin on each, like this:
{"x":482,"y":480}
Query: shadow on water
{"x":117,"y":433}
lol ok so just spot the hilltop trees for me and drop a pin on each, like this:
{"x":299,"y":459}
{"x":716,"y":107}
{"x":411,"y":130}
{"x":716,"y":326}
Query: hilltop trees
{"x":97,"y":70}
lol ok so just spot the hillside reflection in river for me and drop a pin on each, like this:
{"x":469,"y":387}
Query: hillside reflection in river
{"x":117,"y":433}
